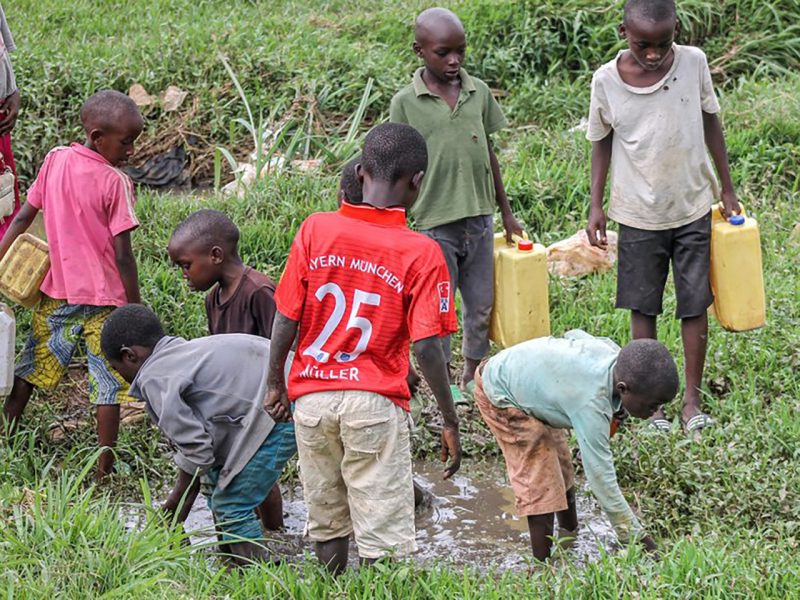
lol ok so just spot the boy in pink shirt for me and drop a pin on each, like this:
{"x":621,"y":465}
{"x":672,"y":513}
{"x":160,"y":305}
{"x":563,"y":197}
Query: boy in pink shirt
{"x":87,"y":205}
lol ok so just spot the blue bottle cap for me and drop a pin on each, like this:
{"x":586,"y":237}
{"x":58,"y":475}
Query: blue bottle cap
{"x":736,"y":220}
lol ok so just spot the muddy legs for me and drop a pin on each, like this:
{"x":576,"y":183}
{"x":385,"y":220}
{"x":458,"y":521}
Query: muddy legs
{"x":541,"y":527}
{"x":270,"y":511}
{"x":333,"y":554}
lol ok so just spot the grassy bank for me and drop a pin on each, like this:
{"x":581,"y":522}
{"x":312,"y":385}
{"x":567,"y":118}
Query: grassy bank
{"x":307,"y":63}
{"x":726,"y":511}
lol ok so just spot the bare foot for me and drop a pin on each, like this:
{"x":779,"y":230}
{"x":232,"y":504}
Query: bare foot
{"x":242,"y":554}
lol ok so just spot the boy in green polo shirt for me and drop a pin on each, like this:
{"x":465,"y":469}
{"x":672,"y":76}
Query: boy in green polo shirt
{"x":456,"y":114}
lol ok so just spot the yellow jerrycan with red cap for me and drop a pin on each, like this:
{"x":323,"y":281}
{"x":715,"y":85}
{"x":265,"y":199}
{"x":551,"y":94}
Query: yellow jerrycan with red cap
{"x":521,"y":309}
{"x":737,"y":277}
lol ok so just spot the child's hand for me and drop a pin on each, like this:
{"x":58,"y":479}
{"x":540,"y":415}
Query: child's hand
{"x":596,"y":228}
{"x":730,"y":205}
{"x":277,"y":405}
{"x":511,"y":226}
{"x":451,"y":447}
{"x":9,"y":109}
{"x":167,"y":512}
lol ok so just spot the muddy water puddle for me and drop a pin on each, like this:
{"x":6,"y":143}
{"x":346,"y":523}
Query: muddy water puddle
{"x":468,"y":520}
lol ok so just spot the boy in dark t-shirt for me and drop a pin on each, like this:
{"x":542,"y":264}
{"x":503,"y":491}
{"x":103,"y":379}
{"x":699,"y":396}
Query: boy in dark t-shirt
{"x":205,"y":247}
{"x":249,"y":309}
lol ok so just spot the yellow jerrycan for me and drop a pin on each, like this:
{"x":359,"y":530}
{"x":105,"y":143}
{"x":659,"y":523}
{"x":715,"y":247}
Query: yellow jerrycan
{"x":737,"y":277}
{"x":23,"y":269}
{"x":521,"y":309}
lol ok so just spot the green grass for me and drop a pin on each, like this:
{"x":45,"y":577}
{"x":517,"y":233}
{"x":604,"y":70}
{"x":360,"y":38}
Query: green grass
{"x":308,"y":62}
{"x":726,"y":511}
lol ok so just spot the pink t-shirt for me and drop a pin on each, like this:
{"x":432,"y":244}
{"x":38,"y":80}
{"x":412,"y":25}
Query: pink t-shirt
{"x":86,"y":202}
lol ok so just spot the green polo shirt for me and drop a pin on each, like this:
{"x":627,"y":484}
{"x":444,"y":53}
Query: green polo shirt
{"x":458,"y":183}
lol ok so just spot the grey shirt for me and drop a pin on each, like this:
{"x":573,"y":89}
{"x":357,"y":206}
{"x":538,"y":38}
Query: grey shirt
{"x":8,"y":84}
{"x":207,"y":396}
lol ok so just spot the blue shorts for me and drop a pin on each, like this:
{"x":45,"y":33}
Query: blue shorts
{"x":233,"y":508}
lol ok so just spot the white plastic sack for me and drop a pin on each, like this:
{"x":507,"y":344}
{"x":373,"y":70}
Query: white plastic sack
{"x":576,"y":257}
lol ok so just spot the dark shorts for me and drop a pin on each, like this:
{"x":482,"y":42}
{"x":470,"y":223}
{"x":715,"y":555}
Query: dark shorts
{"x":644,"y":258}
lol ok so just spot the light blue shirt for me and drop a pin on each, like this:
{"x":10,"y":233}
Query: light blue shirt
{"x":567,"y":383}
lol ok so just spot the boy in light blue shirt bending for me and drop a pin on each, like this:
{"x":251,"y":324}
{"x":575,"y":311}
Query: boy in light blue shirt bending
{"x":529,"y":393}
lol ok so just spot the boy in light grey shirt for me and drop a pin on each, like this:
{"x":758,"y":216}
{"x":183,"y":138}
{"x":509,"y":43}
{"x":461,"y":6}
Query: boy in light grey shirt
{"x":206,"y":395}
{"x":653,"y":122}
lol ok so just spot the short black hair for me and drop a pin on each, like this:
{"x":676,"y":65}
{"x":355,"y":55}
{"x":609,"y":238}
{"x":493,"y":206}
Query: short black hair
{"x":650,"y":10}
{"x":106,"y":108}
{"x":130,"y":325}
{"x":349,"y":183}
{"x":207,"y":228}
{"x":393,"y":151}
{"x":647,"y":366}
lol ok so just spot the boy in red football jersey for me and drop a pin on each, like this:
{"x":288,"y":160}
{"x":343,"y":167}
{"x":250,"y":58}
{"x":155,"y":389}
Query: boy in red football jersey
{"x":348,"y":378}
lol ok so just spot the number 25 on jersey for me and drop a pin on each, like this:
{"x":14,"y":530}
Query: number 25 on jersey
{"x":316,"y":349}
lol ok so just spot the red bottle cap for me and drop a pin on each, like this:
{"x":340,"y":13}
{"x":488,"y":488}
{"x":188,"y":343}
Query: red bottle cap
{"x":525,"y":245}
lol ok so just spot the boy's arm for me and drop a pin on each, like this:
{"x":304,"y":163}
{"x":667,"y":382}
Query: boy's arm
{"x":19,"y":225}
{"x":182,"y":497}
{"x":277,"y":401}
{"x":715,"y":140}
{"x":592,"y":431}
{"x":430,"y":357}
{"x":164,"y":393}
{"x":601,"y":160}
{"x":126,"y":265}
{"x":510,"y":223}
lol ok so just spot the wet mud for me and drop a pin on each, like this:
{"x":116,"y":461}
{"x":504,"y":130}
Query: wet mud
{"x":466,"y":521}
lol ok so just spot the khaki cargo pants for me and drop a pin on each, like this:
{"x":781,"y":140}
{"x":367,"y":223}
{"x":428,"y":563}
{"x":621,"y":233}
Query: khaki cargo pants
{"x":355,"y":466}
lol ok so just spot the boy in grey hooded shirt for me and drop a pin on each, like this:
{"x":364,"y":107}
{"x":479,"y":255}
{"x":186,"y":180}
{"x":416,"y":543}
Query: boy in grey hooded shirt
{"x":206,"y":396}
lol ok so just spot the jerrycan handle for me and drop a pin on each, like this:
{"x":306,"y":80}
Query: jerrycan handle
{"x":522,"y":242}
{"x":733,"y":219}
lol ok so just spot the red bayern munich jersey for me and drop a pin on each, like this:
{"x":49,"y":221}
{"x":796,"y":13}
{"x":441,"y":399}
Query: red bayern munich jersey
{"x":362,"y":284}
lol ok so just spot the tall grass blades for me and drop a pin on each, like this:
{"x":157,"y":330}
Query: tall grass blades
{"x":66,"y":539}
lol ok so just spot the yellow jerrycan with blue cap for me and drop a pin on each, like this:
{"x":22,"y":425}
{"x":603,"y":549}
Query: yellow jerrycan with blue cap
{"x":737,"y":277}
{"x":521,"y":309}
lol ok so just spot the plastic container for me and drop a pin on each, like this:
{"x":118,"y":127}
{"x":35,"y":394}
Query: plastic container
{"x":521,"y":308}
{"x":737,"y":277}
{"x":7,"y":338}
{"x":23,"y":269}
